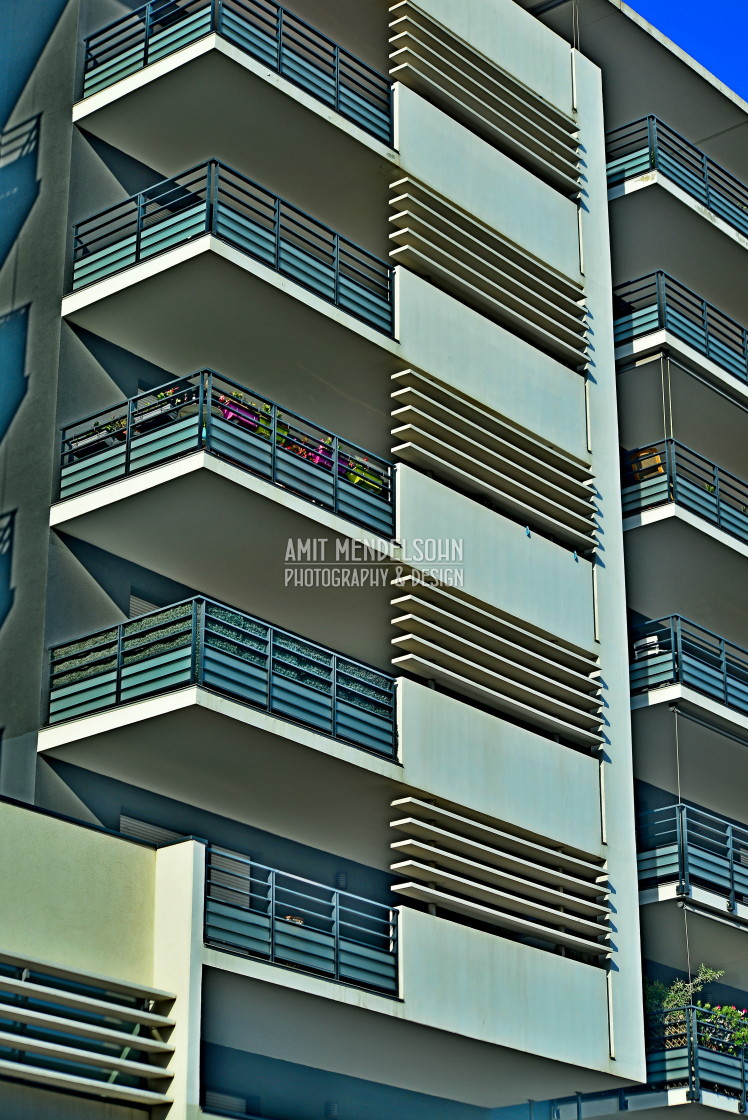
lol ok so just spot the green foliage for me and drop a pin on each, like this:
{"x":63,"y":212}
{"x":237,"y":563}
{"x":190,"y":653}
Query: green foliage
{"x":680,"y":993}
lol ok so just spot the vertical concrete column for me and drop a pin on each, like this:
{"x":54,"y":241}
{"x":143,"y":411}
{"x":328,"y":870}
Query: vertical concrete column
{"x":177,"y":963}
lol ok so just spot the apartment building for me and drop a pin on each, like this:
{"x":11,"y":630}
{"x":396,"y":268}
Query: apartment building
{"x":319,"y":796}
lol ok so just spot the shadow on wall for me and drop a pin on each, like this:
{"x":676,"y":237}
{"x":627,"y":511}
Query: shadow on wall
{"x":131,"y":373}
{"x":19,"y":185}
{"x":7,"y":530}
{"x":13,"y":332}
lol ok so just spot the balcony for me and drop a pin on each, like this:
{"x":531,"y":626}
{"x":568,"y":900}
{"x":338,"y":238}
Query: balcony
{"x":697,"y":1049}
{"x":206,"y":412}
{"x":692,"y":848}
{"x":668,"y":471}
{"x":258,"y":911}
{"x":212,"y":199}
{"x":673,"y":651}
{"x":204,"y":643}
{"x":658,"y":303}
{"x":650,"y":145}
{"x":262,"y":29}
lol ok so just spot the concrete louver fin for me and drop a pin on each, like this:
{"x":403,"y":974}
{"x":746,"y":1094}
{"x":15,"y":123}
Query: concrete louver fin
{"x":476,"y":264}
{"x":485,"y":872}
{"x":86,"y":1034}
{"x":477,"y":651}
{"x":441,"y":67}
{"x":479,"y":452}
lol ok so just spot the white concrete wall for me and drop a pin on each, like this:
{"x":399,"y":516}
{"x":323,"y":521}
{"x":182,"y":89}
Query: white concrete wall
{"x":482,"y":986}
{"x":528,"y":576}
{"x":442,"y":336}
{"x":493,"y":767}
{"x":456,"y":163}
{"x":513,"y":39}
{"x":75,"y":897}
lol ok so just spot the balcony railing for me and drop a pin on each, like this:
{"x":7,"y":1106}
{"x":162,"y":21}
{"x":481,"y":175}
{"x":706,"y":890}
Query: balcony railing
{"x":688,"y":846}
{"x":675,"y":651}
{"x":202,"y":642}
{"x":261,"y":28}
{"x":260,"y":912}
{"x":212,"y":198}
{"x":668,"y":471}
{"x":658,"y":302}
{"x":207,"y":412}
{"x":696,"y":1048}
{"x":650,"y":145}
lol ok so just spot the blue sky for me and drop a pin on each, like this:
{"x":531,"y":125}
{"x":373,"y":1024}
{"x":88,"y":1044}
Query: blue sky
{"x":714,"y":32}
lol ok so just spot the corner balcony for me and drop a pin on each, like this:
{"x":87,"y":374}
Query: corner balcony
{"x":203,"y":643}
{"x":697,"y":854}
{"x":215,"y":415}
{"x":672,"y":207}
{"x":261,"y":29}
{"x":260,"y":912}
{"x":674,"y":660}
{"x":657,"y":313}
{"x":212,"y":199}
{"x":668,"y":472}
{"x":649,"y":144}
{"x":679,"y":503}
{"x":695,"y":1056}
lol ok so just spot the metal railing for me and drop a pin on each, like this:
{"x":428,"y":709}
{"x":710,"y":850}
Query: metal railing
{"x":650,"y":145}
{"x":205,"y":411}
{"x":213,"y":198}
{"x":698,"y":1048}
{"x":668,"y":471}
{"x":657,"y":302}
{"x":675,"y":651}
{"x":200,"y":641}
{"x":686,"y":845}
{"x":261,"y":28}
{"x":258,"y":911}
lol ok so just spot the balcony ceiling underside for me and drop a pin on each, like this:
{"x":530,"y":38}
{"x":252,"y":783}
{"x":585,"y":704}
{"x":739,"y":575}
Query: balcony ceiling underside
{"x":207,"y":312}
{"x":704,"y":766}
{"x":674,"y":568}
{"x":215,"y":107}
{"x":642,"y":76}
{"x":225,"y":540}
{"x":243,"y":771}
{"x":246,"y":1014}
{"x":718,"y":943}
{"x":653,"y":230}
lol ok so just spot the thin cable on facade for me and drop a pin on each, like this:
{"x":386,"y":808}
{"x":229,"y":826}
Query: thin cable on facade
{"x":678,"y":783}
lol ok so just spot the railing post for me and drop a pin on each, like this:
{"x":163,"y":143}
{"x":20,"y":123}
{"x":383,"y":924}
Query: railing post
{"x":676,"y":639}
{"x":193,"y":641}
{"x":271,"y":654}
{"x":334,"y":697}
{"x":279,"y":33}
{"x":705,"y":173}
{"x":148,"y":21}
{"x":206,"y":388}
{"x":215,"y":15}
{"x":119,"y":656}
{"x":336,"y":262}
{"x":273,"y":442}
{"x":684,"y":880}
{"x":336,"y":931}
{"x":731,"y":863}
{"x":200,"y":413}
{"x":128,"y":434}
{"x":671,"y":468}
{"x":705,"y":327}
{"x":138,"y":224}
{"x":271,"y":881}
{"x":277,"y":212}
{"x":211,"y":194}
{"x":694,"y":1082}
{"x":723,"y":663}
{"x":652,"y":141}
{"x":742,"y":1105}
{"x":717,"y":494}
{"x":661,"y":300}
{"x":335,"y":475}
{"x":336,"y":71}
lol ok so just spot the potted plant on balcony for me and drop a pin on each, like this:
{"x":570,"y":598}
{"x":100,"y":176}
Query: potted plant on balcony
{"x":163,"y":411}
{"x":90,"y":442}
